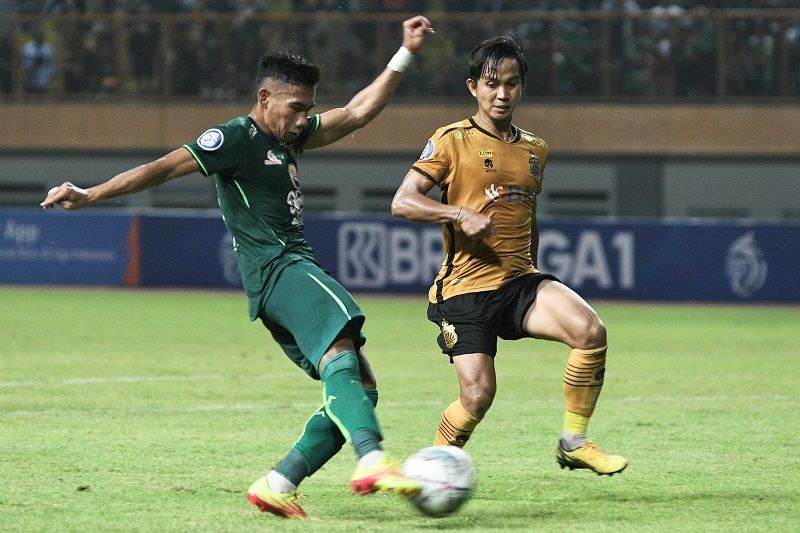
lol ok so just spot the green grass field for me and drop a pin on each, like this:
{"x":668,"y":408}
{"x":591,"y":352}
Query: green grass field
{"x":154,"y":411}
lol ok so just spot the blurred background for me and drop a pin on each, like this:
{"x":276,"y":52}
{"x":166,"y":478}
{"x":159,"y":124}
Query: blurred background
{"x":677,"y":97}
{"x":654,"y":110}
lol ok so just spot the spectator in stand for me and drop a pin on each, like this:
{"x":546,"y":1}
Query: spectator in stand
{"x":37,"y":63}
{"x":695,"y":50}
{"x":143,"y":41}
{"x":182,"y":62}
{"x":5,"y":62}
{"x":621,"y":39}
{"x":575,"y":55}
{"x":792,"y":39}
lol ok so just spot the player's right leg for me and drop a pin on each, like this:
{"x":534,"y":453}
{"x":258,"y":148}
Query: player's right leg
{"x":348,"y":408}
{"x":329,"y":339}
{"x":477,"y":384}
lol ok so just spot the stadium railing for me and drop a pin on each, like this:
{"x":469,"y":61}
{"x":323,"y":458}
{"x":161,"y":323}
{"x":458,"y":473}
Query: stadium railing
{"x":696,"y":55}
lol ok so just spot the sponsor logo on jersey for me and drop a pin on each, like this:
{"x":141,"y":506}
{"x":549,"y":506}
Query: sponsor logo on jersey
{"x":463,"y":134}
{"x":210,"y":140}
{"x":272,"y":159}
{"x":483,"y":152}
{"x":252,"y":131}
{"x":492,"y":192}
{"x":292,"y":168}
{"x":428,"y":150}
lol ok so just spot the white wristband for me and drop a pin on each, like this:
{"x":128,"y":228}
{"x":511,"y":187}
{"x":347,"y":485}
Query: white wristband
{"x":401,"y":60}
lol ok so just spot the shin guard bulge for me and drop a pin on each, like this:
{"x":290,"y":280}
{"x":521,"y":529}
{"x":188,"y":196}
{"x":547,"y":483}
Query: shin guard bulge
{"x":583,"y":380}
{"x":456,"y":426}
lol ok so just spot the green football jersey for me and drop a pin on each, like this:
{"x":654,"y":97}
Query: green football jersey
{"x":259,"y":196}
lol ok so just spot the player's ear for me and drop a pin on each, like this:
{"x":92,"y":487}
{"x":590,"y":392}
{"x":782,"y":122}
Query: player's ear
{"x":472,"y":87}
{"x":263,"y":96}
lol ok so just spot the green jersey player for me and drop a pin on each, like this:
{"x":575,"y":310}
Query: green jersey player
{"x":252,"y":160}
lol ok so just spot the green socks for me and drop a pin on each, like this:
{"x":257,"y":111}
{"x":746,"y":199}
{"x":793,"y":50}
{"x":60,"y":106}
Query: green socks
{"x":347,"y":405}
{"x":348,"y":412}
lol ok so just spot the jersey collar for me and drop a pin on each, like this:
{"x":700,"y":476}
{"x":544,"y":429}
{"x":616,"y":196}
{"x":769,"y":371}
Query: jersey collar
{"x":515,"y":134}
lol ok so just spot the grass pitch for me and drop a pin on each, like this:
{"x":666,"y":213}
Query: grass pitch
{"x":154,"y":411}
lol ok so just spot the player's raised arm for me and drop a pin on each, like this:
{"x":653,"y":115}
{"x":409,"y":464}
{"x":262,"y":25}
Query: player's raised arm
{"x":173,"y":165}
{"x":367,"y":103}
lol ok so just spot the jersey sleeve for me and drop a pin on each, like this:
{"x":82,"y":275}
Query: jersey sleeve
{"x":434,"y":161}
{"x":220,"y":149}
{"x":312,"y":125}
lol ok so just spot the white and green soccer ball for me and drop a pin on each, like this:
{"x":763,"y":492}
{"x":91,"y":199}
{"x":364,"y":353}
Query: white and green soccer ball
{"x":447,"y":477}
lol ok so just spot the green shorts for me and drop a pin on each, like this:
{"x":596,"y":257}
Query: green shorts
{"x":306,"y":310}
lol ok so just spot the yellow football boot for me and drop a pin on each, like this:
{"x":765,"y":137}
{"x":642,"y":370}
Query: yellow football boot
{"x":278,"y":503}
{"x":383,"y":476}
{"x":591,"y":457}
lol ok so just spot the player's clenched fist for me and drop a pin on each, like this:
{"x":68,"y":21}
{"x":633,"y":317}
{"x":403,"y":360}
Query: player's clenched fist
{"x":67,"y":195}
{"x":414,"y":32}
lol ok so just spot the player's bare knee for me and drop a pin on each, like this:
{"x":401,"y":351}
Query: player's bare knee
{"x":596,"y":334}
{"x":477,"y":399}
{"x":592,"y":334}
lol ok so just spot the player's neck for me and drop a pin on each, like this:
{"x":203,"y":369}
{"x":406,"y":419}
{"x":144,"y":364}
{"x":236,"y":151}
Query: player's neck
{"x":503,"y":130}
{"x":260,"y":122}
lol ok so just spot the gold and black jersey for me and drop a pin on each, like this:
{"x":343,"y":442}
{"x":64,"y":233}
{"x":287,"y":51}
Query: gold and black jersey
{"x":498,"y":178}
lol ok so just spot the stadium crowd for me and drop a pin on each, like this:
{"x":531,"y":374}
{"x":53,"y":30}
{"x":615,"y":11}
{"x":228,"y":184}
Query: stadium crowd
{"x":656,"y":49}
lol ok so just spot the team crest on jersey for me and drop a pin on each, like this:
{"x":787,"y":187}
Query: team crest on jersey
{"x":210,"y":140}
{"x":272,"y":159}
{"x":428,"y":150}
{"x":536,"y":167}
{"x":449,"y":334}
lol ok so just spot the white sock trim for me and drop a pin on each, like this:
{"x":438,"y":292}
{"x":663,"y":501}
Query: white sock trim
{"x":278,"y":483}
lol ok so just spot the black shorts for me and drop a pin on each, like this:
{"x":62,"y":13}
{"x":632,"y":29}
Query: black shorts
{"x":471,"y":323}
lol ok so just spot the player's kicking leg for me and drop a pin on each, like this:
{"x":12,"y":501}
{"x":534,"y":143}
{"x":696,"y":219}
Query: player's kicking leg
{"x":348,"y":407}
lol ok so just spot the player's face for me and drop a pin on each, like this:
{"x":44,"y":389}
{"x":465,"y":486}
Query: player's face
{"x":284,"y":109}
{"x":498,"y":95}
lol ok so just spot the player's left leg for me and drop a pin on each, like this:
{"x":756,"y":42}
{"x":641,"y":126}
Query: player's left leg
{"x":558,"y":313}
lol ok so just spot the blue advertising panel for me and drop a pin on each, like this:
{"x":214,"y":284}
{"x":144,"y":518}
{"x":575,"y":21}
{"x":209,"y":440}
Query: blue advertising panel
{"x":642,"y":260}
{"x":187,"y":251}
{"x":63,"y":248}
{"x":674,"y":260}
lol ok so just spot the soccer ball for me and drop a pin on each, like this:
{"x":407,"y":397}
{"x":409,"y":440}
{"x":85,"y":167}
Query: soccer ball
{"x":446,"y":475}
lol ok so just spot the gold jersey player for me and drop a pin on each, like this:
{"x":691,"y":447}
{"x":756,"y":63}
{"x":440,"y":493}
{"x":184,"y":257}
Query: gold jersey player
{"x":489,"y":173}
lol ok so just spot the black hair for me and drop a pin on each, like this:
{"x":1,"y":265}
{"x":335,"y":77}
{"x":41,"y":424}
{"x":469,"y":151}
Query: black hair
{"x":487,"y":55}
{"x":288,"y":67}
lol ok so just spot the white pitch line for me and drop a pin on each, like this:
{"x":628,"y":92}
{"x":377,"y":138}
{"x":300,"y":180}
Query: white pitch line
{"x":138,"y":379}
